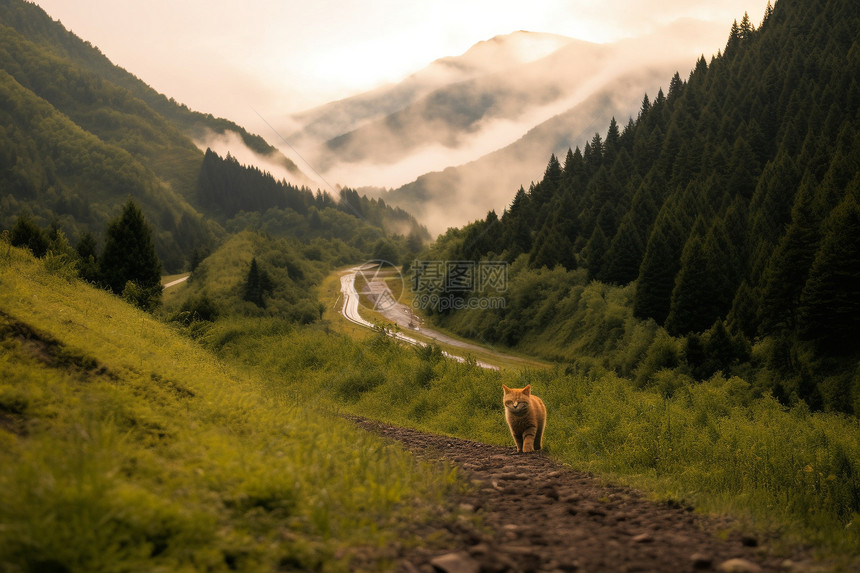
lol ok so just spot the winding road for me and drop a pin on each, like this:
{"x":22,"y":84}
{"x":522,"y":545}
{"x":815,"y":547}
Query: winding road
{"x":351,"y":313}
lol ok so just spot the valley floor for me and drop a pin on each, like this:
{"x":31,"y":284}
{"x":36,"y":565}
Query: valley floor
{"x":382,"y":305}
{"x":539,"y":515}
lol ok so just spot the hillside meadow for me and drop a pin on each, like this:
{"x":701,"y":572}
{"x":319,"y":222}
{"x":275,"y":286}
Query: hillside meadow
{"x":717,"y":444}
{"x":126,"y":442}
{"x":126,"y":446}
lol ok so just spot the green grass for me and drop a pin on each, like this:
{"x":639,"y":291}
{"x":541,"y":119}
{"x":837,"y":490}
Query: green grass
{"x":124,"y":446}
{"x":125,"y":443}
{"x":712,"y":444}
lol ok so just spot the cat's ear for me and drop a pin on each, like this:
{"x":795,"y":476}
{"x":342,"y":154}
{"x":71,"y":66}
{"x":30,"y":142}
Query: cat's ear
{"x":527,"y":390}
{"x":505,"y":388}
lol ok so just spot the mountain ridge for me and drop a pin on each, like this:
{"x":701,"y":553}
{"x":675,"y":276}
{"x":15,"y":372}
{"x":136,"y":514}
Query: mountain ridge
{"x":75,"y":146}
{"x":366,"y":106}
{"x":34,"y":24}
{"x":467,"y":120}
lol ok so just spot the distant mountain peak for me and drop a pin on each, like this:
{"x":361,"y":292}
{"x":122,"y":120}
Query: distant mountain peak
{"x":523,"y":45}
{"x":504,"y":50}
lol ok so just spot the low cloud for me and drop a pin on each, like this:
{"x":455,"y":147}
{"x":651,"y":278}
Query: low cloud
{"x":472,"y":170}
{"x":231,"y":143}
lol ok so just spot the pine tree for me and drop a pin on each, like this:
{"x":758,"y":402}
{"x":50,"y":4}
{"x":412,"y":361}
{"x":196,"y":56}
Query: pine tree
{"x":746,"y":28}
{"x":27,"y":234}
{"x":830,"y":303}
{"x":770,"y":210}
{"x":610,"y":146}
{"x":593,"y":155}
{"x":688,"y":311}
{"x":129,"y":255}
{"x":734,"y":40}
{"x":595,"y":253}
{"x":574,"y":165}
{"x":257,"y":283}
{"x":789,"y":267}
{"x":551,"y":248}
{"x":743,"y":316}
{"x":645,"y":107}
{"x":553,"y":173}
{"x":516,"y":222}
{"x":624,"y":255}
{"x":659,"y":267}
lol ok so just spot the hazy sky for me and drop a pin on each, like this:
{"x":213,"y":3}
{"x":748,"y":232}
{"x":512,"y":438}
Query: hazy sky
{"x":232,"y":57}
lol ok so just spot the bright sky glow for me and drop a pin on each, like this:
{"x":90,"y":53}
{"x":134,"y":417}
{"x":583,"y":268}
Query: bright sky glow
{"x":231,"y":57}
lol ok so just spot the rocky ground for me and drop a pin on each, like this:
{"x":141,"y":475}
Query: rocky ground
{"x":535,"y":514}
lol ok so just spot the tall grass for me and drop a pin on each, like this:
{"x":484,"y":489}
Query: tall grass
{"x":714,"y":446}
{"x":711,"y":444}
{"x":124,"y":446}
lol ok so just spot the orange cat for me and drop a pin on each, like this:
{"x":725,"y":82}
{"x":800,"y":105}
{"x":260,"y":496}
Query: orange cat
{"x":526,"y":416}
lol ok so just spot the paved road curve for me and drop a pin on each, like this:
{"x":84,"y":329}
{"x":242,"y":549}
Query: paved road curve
{"x":350,"y":312}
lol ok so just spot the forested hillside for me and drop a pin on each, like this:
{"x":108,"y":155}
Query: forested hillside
{"x":80,"y":136}
{"x":348,"y":228}
{"x":34,"y":25}
{"x":75,"y":147}
{"x":725,"y":213}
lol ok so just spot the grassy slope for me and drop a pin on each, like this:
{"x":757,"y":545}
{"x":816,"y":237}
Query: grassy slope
{"x":206,"y":463}
{"x":125,"y":446}
{"x":713,"y":444}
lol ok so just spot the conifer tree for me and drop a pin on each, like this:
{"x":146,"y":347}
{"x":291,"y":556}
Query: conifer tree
{"x":625,"y":254}
{"x":675,"y":87}
{"x":659,"y":267}
{"x":770,"y":209}
{"x":645,"y":107}
{"x":613,"y":139}
{"x":257,"y":284}
{"x":830,"y":303}
{"x":553,"y":173}
{"x":517,"y":225}
{"x":27,"y":234}
{"x":129,"y":255}
{"x":688,"y":310}
{"x":743,"y":316}
{"x":789,"y":266}
{"x":595,"y":252}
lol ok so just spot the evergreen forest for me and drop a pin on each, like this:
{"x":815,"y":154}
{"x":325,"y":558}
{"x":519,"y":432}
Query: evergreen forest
{"x":717,"y":231}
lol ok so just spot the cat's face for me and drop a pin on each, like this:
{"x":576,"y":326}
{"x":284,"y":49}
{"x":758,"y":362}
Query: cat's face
{"x":517,"y":399}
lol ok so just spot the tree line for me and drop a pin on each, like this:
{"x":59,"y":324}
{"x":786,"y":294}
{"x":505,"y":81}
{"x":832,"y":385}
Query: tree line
{"x":127,"y":264}
{"x":730,"y":202}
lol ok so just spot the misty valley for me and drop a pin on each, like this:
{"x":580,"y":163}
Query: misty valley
{"x":221,"y":351}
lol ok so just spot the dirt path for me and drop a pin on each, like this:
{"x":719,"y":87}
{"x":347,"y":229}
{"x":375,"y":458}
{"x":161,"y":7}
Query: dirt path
{"x":539,"y":515}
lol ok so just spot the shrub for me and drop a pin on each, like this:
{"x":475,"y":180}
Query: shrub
{"x":664,"y":352}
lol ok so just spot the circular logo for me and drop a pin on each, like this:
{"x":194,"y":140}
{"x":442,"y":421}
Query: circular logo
{"x":379,"y":285}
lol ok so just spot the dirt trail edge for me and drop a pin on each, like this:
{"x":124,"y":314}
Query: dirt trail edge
{"x":539,"y":515}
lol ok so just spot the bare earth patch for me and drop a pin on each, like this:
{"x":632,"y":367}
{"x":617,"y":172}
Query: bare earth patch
{"x":538,"y":515}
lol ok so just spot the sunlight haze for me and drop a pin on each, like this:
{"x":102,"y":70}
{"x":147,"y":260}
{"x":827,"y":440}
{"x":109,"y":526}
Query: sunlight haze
{"x":230,"y":58}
